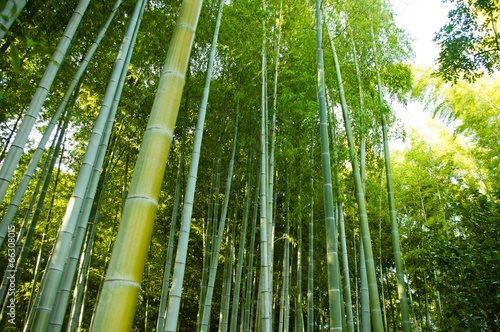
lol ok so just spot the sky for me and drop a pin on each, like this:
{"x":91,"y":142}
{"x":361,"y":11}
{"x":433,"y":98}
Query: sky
{"x":421,"y":19}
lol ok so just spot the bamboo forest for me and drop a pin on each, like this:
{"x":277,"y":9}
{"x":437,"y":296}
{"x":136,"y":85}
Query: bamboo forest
{"x":244,"y":165}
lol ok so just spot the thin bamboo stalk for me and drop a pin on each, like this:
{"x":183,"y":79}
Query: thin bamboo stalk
{"x":57,"y":318}
{"x":310,"y":259}
{"x":299,"y":319}
{"x":334,"y":295}
{"x":14,"y":204}
{"x":365,"y":295}
{"x":170,"y":251}
{"x":360,"y":199}
{"x":9,"y":15}
{"x":13,"y":272}
{"x":16,"y":150}
{"x":244,"y":227}
{"x":246,"y":321}
{"x":54,"y":275}
{"x":216,"y":248}
{"x":265,"y":280}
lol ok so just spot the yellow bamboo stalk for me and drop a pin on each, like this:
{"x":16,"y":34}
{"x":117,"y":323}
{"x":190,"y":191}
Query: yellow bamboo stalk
{"x":117,"y":302}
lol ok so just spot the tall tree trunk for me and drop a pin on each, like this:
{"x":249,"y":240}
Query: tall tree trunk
{"x":170,"y":247}
{"x":16,"y":150}
{"x":365,"y":295}
{"x":246,"y":321}
{"x":98,"y":142}
{"x":217,"y":245}
{"x":9,"y":15}
{"x":265,"y":282}
{"x":117,"y":301}
{"x":310,"y":259}
{"x":62,"y":299}
{"x":335,"y":301}
{"x":403,"y":300}
{"x":360,"y":199}
{"x":74,"y":86}
{"x":242,"y":247}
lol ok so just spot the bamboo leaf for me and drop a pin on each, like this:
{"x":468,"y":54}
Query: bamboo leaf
{"x":30,"y":42}
{"x":14,"y":58}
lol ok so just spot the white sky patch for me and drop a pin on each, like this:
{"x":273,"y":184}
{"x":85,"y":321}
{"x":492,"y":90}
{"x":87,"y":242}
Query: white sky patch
{"x":422,"y":19}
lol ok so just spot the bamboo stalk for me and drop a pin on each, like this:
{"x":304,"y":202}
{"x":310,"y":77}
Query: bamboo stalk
{"x":117,"y":302}
{"x":16,"y":150}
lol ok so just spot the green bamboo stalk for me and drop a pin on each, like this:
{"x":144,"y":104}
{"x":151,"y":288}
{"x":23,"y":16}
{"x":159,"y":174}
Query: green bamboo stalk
{"x":77,"y":308}
{"x":216,"y":248}
{"x":356,"y":278}
{"x":228,"y":276}
{"x":360,"y":199}
{"x":362,"y":157}
{"x":33,"y":298}
{"x":345,"y":265}
{"x":14,"y":271}
{"x":331,"y":232}
{"x":170,"y":252}
{"x":225,"y":276}
{"x":299,"y":319}
{"x":62,"y":299}
{"x":272,"y":138}
{"x":9,"y":14}
{"x":282,"y":301}
{"x":76,"y":313}
{"x":212,"y":222}
{"x":286,"y":263}
{"x":340,"y":219}
{"x":70,"y":268}
{"x":12,"y":209}
{"x":365,"y":296}
{"x":176,"y":289}
{"x":310,"y":259}
{"x":242,"y":246}
{"x":403,"y":299}
{"x":16,"y":200}
{"x":246,"y":322}
{"x":265,"y":279}
{"x":362,"y":136}
{"x":117,"y":302}
{"x":54,"y":274}
{"x":16,"y":150}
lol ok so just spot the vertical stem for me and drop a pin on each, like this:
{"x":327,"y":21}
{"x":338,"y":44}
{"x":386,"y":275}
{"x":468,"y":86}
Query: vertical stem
{"x":392,"y":206}
{"x":239,"y":268}
{"x":265,"y":229}
{"x":16,"y":150}
{"x":360,"y":199}
{"x":335,"y":301}
{"x":310,"y":272}
{"x":117,"y":302}
{"x":170,"y":251}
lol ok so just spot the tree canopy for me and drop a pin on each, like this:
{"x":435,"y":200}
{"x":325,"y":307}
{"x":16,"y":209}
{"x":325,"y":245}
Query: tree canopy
{"x":282,"y":217}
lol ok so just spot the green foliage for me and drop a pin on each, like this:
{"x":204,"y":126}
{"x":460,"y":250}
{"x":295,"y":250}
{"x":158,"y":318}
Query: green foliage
{"x":450,"y":239}
{"x":447,"y":198}
{"x":469,"y":41}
